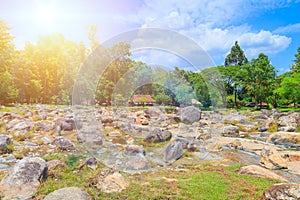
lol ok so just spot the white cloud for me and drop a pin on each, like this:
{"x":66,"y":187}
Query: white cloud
{"x":292,"y":28}
{"x":211,"y":23}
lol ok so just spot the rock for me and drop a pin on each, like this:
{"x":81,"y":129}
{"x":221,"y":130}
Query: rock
{"x":136,"y":164}
{"x":18,"y":125}
{"x":110,"y":181}
{"x":42,"y":126}
{"x":69,"y":193}
{"x":230,"y":131}
{"x":261,"y":116}
{"x":289,"y":122}
{"x":287,"y":139}
{"x":184,"y":142}
{"x":173,"y":152}
{"x":236,"y":118}
{"x":236,"y":144}
{"x":257,"y":171}
{"x":53,"y":164}
{"x":132,"y":150}
{"x":107,"y":120}
{"x":63,"y":143}
{"x":189,"y":114}
{"x":287,"y":191}
{"x":91,"y":163}
{"x":157,"y":135}
{"x":4,"y":142}
{"x":23,"y":180}
{"x":271,"y":159}
{"x":65,"y":124}
{"x":91,"y":139}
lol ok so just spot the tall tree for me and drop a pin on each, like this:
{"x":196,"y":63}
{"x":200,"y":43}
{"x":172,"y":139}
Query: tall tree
{"x":233,"y":61}
{"x":296,"y":66}
{"x":8,"y":91}
{"x":259,"y":76}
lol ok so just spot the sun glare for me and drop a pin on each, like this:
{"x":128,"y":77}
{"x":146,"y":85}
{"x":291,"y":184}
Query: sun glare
{"x":46,"y":15}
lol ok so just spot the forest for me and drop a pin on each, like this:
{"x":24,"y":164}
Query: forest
{"x":46,"y":72}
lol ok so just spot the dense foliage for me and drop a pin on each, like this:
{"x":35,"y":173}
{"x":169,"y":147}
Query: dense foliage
{"x":45,"y":72}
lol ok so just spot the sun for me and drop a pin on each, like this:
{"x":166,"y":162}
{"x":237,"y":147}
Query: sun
{"x":46,"y":15}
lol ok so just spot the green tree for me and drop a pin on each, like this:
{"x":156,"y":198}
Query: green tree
{"x":258,"y":77}
{"x":296,"y":66}
{"x":231,"y":72}
{"x":289,"y":88}
{"x":8,"y":91}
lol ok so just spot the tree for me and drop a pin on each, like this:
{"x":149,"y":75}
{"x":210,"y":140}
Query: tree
{"x":296,"y":66}
{"x":289,"y":88}
{"x":258,"y":77}
{"x":8,"y":91}
{"x":6,"y":48}
{"x":236,"y":56}
{"x":233,"y":61}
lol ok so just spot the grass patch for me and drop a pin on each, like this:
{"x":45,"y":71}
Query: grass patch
{"x":200,"y":182}
{"x":272,"y":128}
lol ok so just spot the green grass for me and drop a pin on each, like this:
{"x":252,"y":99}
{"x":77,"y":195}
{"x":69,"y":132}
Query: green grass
{"x":198,"y":182}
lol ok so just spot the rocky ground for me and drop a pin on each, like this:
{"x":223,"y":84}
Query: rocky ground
{"x":143,"y":140}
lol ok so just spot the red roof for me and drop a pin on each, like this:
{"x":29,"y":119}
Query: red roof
{"x":148,"y":98}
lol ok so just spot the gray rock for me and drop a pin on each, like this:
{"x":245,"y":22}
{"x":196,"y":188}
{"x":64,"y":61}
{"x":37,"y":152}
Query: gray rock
{"x":236,"y":118}
{"x":69,"y":193}
{"x":4,"y":142}
{"x":288,"y":139}
{"x":91,"y":139}
{"x":42,"y":126}
{"x":63,"y":143}
{"x":230,"y":131}
{"x":66,"y":124}
{"x":23,"y":180}
{"x":133,"y":150}
{"x":158,"y":135}
{"x":19,"y":125}
{"x":173,"y":152}
{"x":289,"y":122}
{"x":136,"y":164}
{"x":189,"y":114}
{"x":287,"y":191}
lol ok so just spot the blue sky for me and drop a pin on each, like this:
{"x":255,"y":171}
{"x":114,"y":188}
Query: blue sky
{"x":268,"y":26}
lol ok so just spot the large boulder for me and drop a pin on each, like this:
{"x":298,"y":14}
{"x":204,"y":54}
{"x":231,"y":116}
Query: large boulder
{"x":287,"y":139}
{"x":289,"y":122}
{"x":173,"y":152}
{"x":287,"y":191}
{"x":189,"y":114}
{"x":69,"y":193}
{"x":271,"y":159}
{"x":23,"y":180}
{"x":18,"y":125}
{"x":257,"y":171}
{"x":158,"y":135}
